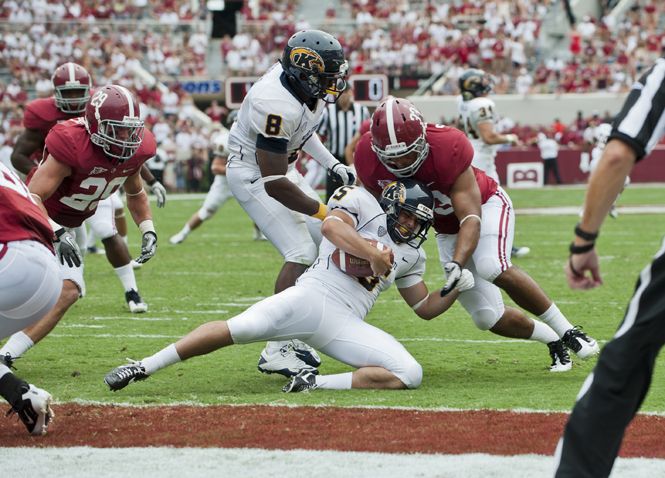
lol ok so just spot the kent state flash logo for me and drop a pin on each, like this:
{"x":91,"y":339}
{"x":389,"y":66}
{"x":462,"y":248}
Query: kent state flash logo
{"x":307,"y":59}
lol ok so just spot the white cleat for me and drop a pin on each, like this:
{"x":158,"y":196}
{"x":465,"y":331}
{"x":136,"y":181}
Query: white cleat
{"x":520,"y":251}
{"x":258,"y":235}
{"x":178,"y":238}
{"x":36,"y":412}
{"x":135,"y":302}
{"x":560,"y":357}
{"x":580,"y":343}
{"x":284,"y":362}
{"x":135,"y":265}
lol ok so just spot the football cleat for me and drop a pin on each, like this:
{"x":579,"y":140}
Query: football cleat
{"x":284,"y":362}
{"x":258,"y":235}
{"x":96,"y":250}
{"x":302,"y":382}
{"x":306,"y":353}
{"x":580,"y":343}
{"x":614,"y":213}
{"x":7,"y":360}
{"x":120,"y":377}
{"x":518,"y":252}
{"x":178,"y":238}
{"x":135,"y":265}
{"x":136,"y":304}
{"x":560,"y":357}
{"x":35,"y":412}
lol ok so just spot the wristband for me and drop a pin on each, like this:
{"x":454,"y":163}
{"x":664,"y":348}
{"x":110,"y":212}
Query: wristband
{"x":587,"y":236}
{"x":56,"y":227}
{"x":321,"y":214}
{"x":152,"y":181}
{"x":580,"y":249}
{"x":147,"y":226}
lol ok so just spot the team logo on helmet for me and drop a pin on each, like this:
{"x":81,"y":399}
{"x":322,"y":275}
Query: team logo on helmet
{"x":395,"y":192}
{"x":307,"y":59}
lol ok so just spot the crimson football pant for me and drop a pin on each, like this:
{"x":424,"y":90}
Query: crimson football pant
{"x":614,"y":391}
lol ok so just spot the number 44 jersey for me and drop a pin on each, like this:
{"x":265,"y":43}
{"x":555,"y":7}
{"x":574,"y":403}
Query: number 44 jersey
{"x":93,"y":176}
{"x":273,"y":118}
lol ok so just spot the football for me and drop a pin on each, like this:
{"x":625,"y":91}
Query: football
{"x":356,"y":266}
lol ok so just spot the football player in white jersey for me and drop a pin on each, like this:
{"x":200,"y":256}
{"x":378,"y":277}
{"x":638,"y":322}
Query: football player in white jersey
{"x":219,"y":189}
{"x":279,"y":118}
{"x":477,"y":118}
{"x":599,"y":138}
{"x":327,"y":307}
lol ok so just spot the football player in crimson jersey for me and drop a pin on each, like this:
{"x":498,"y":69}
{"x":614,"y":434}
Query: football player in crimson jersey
{"x":71,"y":86}
{"x":30,"y":284}
{"x":400,"y":144}
{"x":87,"y":160}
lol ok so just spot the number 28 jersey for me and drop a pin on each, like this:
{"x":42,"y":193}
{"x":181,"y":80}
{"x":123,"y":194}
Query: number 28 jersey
{"x":274,"y":117}
{"x":471,"y":114}
{"x":93,"y":177}
{"x":360,"y":293}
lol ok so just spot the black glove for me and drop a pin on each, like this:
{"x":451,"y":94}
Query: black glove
{"x":67,"y":249}
{"x":148,"y":247}
{"x":343,"y":174}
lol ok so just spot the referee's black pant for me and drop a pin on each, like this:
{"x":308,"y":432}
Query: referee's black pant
{"x":614,"y":391}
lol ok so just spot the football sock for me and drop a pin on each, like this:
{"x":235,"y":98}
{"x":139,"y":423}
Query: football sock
{"x":543,"y":333}
{"x":162,"y":359}
{"x":124,"y":238}
{"x":186,"y":230}
{"x":339,"y":381}
{"x":555,"y":319}
{"x":273,"y":347}
{"x":17,"y":345}
{"x":127,"y":277}
{"x":4,"y":370}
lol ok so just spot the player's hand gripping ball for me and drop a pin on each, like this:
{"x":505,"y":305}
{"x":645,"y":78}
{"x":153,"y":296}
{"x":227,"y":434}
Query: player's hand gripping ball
{"x":355,"y":266}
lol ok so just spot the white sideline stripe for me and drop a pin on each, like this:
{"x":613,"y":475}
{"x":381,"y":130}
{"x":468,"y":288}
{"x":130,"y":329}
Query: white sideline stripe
{"x":468,"y":341}
{"x":575,"y":210}
{"x":201,"y":311}
{"x":191,"y":403}
{"x":129,"y":318}
{"x":166,"y":462}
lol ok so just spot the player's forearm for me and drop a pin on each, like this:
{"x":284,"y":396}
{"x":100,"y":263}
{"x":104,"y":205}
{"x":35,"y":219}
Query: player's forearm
{"x":139,"y":207}
{"x":435,"y":305}
{"x":146,"y":175}
{"x":467,"y":241}
{"x":22,"y":162}
{"x":347,"y":239}
{"x":292,"y":197}
{"x":315,"y":148}
{"x":606,"y":183}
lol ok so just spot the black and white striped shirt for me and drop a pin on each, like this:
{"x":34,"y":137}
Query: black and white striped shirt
{"x":339,"y":126}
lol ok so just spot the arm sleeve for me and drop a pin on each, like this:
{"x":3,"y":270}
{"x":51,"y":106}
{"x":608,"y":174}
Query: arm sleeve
{"x":315,"y":148}
{"x":414,"y":275}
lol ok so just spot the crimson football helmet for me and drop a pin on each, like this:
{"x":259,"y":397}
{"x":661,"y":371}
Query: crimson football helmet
{"x":112,"y":119}
{"x":413,"y":196}
{"x":71,"y":88}
{"x":398,"y":129}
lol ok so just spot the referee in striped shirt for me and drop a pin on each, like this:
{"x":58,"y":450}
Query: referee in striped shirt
{"x":615,"y":390}
{"x":339,"y":124}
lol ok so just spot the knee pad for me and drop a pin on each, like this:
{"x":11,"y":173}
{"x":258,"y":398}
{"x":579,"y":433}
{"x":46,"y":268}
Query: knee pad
{"x":484,"y":314}
{"x":413,"y":375}
{"x":204,"y":214}
{"x":103,"y":229}
{"x":488,"y":268}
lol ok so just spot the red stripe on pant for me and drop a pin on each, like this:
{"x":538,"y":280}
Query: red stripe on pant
{"x":503,"y":231}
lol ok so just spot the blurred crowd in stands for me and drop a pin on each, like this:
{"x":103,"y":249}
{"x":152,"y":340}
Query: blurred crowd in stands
{"x":396,"y":37}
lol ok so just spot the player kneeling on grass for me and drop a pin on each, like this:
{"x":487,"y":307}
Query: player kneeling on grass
{"x":327,"y":307}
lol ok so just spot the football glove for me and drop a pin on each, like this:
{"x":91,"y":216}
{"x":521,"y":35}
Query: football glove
{"x":584,"y":162}
{"x":343,"y":174}
{"x":159,"y":191}
{"x":67,"y":249}
{"x":148,"y":247}
{"x":456,"y":278}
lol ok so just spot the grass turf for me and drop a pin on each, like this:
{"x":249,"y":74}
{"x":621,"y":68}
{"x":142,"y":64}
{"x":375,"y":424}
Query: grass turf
{"x":219,"y":271}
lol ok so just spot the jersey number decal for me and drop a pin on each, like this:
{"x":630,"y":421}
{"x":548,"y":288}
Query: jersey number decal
{"x":468,"y":128}
{"x":8,"y":180}
{"x":369,"y":283}
{"x":81,"y":202}
{"x":273,"y":125}
{"x":341,"y":192}
{"x":445,"y":207}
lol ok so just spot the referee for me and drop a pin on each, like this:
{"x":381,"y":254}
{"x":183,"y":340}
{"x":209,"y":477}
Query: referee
{"x":339,"y":124}
{"x":616,"y":388}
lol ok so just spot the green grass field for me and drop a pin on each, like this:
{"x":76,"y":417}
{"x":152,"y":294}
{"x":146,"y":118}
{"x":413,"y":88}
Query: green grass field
{"x":219,"y":271}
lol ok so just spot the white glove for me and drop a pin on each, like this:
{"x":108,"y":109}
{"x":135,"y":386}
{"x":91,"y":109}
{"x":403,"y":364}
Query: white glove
{"x":584,"y":162}
{"x":159,"y":191}
{"x":456,"y":278}
{"x":513,"y":139}
{"x":343,"y":174}
{"x":148,"y":247}
{"x":67,"y":249}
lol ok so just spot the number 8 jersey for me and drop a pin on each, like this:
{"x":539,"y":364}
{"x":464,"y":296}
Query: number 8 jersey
{"x":93,"y":176}
{"x":273,"y":118}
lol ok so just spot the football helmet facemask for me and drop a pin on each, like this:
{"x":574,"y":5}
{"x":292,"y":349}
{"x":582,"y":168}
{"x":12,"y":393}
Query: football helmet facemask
{"x":415,"y":197}
{"x":112,"y":119}
{"x":398,"y":129}
{"x":314,"y":64}
{"x":71,"y":88}
{"x":474,"y":83}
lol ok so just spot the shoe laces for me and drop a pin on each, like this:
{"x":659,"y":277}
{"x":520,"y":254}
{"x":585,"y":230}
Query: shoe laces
{"x":8,"y":360}
{"x":558,"y":352}
{"x":131,"y":369}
